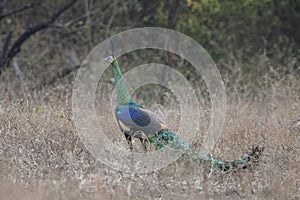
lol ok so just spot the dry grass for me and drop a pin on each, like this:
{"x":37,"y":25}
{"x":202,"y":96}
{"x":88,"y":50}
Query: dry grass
{"x":43,"y":158}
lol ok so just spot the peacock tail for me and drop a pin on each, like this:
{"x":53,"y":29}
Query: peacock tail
{"x":170,"y":139}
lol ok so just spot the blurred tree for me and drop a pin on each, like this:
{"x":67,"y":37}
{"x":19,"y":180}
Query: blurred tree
{"x":8,"y":52}
{"x":237,"y":34}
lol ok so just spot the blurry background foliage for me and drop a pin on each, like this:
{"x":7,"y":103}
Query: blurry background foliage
{"x":253,"y":42}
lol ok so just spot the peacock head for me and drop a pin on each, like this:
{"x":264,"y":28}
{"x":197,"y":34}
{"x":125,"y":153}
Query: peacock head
{"x":110,"y":59}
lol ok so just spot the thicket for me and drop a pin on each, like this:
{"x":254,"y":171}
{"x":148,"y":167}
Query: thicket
{"x":253,"y":42}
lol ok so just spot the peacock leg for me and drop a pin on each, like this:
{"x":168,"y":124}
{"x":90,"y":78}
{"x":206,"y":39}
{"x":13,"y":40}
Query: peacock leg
{"x":129,"y":141}
{"x":144,"y":143}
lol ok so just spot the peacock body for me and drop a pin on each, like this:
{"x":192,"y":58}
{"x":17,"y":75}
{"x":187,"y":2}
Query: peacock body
{"x":134,"y":120}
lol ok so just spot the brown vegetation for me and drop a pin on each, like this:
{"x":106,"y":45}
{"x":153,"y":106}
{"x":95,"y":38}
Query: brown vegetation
{"x":42,"y":155}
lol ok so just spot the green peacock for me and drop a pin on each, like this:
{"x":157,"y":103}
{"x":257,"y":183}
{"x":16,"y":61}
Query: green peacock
{"x":134,"y":120}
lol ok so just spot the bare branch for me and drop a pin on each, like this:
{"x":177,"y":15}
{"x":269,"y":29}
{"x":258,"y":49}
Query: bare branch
{"x":16,"y":47}
{"x":111,"y":19}
{"x":4,"y":49}
{"x":3,"y":4}
{"x":20,"y":9}
{"x":17,"y":69}
{"x":73,"y":21}
{"x":60,"y":11}
{"x":173,"y":14}
{"x":72,"y":58}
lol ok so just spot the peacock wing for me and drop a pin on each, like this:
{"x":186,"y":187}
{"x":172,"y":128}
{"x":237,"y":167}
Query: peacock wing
{"x":139,"y":119}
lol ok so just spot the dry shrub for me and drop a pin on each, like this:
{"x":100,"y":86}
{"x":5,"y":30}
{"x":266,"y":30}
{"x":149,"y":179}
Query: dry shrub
{"x":42,"y":156}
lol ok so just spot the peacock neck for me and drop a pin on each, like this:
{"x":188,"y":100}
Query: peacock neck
{"x":122,"y":90}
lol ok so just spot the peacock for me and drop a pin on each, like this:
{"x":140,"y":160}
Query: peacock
{"x":134,"y":120}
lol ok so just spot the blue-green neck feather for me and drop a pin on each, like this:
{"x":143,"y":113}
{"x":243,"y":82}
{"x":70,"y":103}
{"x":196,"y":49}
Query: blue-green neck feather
{"x":122,"y":90}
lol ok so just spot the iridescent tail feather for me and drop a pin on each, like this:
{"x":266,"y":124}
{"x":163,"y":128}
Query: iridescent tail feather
{"x":167,"y":137}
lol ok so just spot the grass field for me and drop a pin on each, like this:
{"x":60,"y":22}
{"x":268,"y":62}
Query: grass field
{"x":42,"y":156}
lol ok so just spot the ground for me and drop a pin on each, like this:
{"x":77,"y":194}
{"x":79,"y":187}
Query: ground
{"x":42,"y":157}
